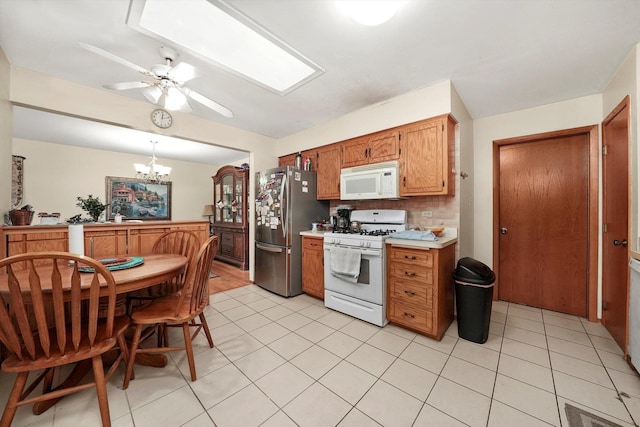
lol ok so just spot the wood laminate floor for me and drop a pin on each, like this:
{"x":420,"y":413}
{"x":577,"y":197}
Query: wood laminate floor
{"x":229,"y":277}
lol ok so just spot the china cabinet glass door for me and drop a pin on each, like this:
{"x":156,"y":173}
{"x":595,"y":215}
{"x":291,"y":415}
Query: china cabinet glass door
{"x":239,"y":202}
{"x":227,"y":198}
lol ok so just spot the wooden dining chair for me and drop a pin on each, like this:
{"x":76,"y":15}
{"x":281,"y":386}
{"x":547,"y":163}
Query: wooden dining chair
{"x":184,"y":309}
{"x":52,"y":316}
{"x":182,"y":242}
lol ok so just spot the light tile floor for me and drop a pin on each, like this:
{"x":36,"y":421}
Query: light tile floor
{"x":287,"y":362}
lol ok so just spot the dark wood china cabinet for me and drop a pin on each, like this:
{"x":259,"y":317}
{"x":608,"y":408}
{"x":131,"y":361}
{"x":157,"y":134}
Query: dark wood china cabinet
{"x":230,"y":191}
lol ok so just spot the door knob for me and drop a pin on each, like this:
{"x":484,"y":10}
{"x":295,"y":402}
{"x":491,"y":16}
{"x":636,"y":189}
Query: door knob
{"x":620,"y":243}
{"x":503,"y":230}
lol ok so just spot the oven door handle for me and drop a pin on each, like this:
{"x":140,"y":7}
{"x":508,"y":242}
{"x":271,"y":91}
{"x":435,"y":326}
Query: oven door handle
{"x":363,"y":252}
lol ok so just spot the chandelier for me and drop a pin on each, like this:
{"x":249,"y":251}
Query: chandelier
{"x":152,"y":172}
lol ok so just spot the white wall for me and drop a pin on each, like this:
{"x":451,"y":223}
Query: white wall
{"x":6,"y":118}
{"x":578,"y":112}
{"x":464,"y":163}
{"x":417,"y":105}
{"x":56,"y":174}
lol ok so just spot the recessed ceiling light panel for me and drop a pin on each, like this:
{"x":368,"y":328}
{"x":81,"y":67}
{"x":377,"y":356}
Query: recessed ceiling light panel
{"x":215,"y":32}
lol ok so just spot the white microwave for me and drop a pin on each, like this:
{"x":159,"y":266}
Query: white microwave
{"x":377,"y":181}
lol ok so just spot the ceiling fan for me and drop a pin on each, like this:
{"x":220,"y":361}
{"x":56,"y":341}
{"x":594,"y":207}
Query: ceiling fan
{"x":166,"y":88}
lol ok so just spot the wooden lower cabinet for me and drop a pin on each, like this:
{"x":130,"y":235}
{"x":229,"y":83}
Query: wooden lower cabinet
{"x":313,"y":266}
{"x":233,"y":247}
{"x":420,"y":288}
{"x":100,"y":240}
{"x":101,"y":244}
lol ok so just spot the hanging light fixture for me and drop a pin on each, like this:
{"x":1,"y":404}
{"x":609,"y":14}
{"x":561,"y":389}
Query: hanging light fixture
{"x":152,"y":172}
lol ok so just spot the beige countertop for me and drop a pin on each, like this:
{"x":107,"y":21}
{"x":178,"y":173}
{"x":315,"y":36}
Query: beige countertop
{"x":449,"y":237}
{"x":310,"y":233}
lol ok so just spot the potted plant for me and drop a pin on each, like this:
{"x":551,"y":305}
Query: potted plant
{"x":92,"y":205}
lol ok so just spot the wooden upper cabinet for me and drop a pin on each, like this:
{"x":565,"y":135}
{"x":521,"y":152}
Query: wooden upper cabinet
{"x":288,"y":160}
{"x":427,"y":158}
{"x":327,"y":167}
{"x":374,"y":148}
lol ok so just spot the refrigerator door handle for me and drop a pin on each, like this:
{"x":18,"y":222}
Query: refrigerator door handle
{"x":268,"y":249}
{"x":283,"y":206}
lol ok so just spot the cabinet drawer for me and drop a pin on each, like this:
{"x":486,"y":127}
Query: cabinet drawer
{"x":413,"y":273}
{"x":227,"y":239}
{"x":311,"y":243}
{"x":411,"y":293}
{"x":410,"y":316}
{"x":412,"y":256}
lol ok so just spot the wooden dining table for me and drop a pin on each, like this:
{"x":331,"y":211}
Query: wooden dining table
{"x":155,"y":269}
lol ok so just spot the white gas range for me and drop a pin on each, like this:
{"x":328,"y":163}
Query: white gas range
{"x":355,"y":264}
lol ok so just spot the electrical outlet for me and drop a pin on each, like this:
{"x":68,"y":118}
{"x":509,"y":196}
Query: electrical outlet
{"x":427,"y":214}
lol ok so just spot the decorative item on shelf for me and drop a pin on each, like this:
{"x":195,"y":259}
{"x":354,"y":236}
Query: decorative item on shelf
{"x":220,"y":204}
{"x":152,"y":172}
{"x":234,"y":206}
{"x":22,"y":216}
{"x":49,"y":218}
{"x":244,"y":166}
{"x":92,"y":205}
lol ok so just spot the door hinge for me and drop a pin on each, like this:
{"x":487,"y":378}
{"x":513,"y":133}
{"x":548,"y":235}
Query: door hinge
{"x":604,"y":227}
{"x":604,"y":150}
{"x":399,"y":136}
{"x":604,"y":305}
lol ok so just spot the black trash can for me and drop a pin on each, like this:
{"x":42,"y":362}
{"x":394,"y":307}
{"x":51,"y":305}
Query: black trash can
{"x":474,"y":294}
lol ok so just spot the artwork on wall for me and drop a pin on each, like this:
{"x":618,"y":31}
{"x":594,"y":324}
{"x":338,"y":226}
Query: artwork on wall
{"x":17,"y":181}
{"x":136,"y":199}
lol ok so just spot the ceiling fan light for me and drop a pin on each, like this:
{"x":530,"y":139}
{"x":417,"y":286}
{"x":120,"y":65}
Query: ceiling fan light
{"x":152,"y":93}
{"x":174,"y":99}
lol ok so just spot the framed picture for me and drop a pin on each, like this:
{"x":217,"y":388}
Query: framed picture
{"x":135,"y":199}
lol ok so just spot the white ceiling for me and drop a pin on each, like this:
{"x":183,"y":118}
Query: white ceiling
{"x":501,"y":55}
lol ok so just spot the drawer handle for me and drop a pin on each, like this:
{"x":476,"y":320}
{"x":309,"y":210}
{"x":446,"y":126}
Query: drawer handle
{"x":406,"y":273}
{"x":410,"y":257}
{"x":413,"y":316}
{"x":413,"y":294}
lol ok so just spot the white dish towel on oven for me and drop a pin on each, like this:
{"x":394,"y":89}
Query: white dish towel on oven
{"x":345,"y":263}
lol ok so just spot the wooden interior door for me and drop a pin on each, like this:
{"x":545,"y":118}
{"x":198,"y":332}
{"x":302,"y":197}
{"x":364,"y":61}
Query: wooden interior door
{"x":615,"y":200}
{"x":543,"y":219}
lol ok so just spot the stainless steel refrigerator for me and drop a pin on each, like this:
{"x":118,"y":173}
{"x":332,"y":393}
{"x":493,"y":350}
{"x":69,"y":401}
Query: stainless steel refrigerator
{"x":285,"y":205}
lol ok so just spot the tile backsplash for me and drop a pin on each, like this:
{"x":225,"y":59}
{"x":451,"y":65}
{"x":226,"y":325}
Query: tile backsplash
{"x":445,"y":211}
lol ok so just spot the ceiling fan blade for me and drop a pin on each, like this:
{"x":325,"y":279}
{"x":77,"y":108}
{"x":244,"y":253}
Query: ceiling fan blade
{"x":208,"y":102}
{"x":183,"y":72}
{"x":127,"y":85}
{"x":115,"y":58}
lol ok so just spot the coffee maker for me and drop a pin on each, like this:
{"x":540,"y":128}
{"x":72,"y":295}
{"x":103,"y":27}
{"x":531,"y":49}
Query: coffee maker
{"x":344,"y":218}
